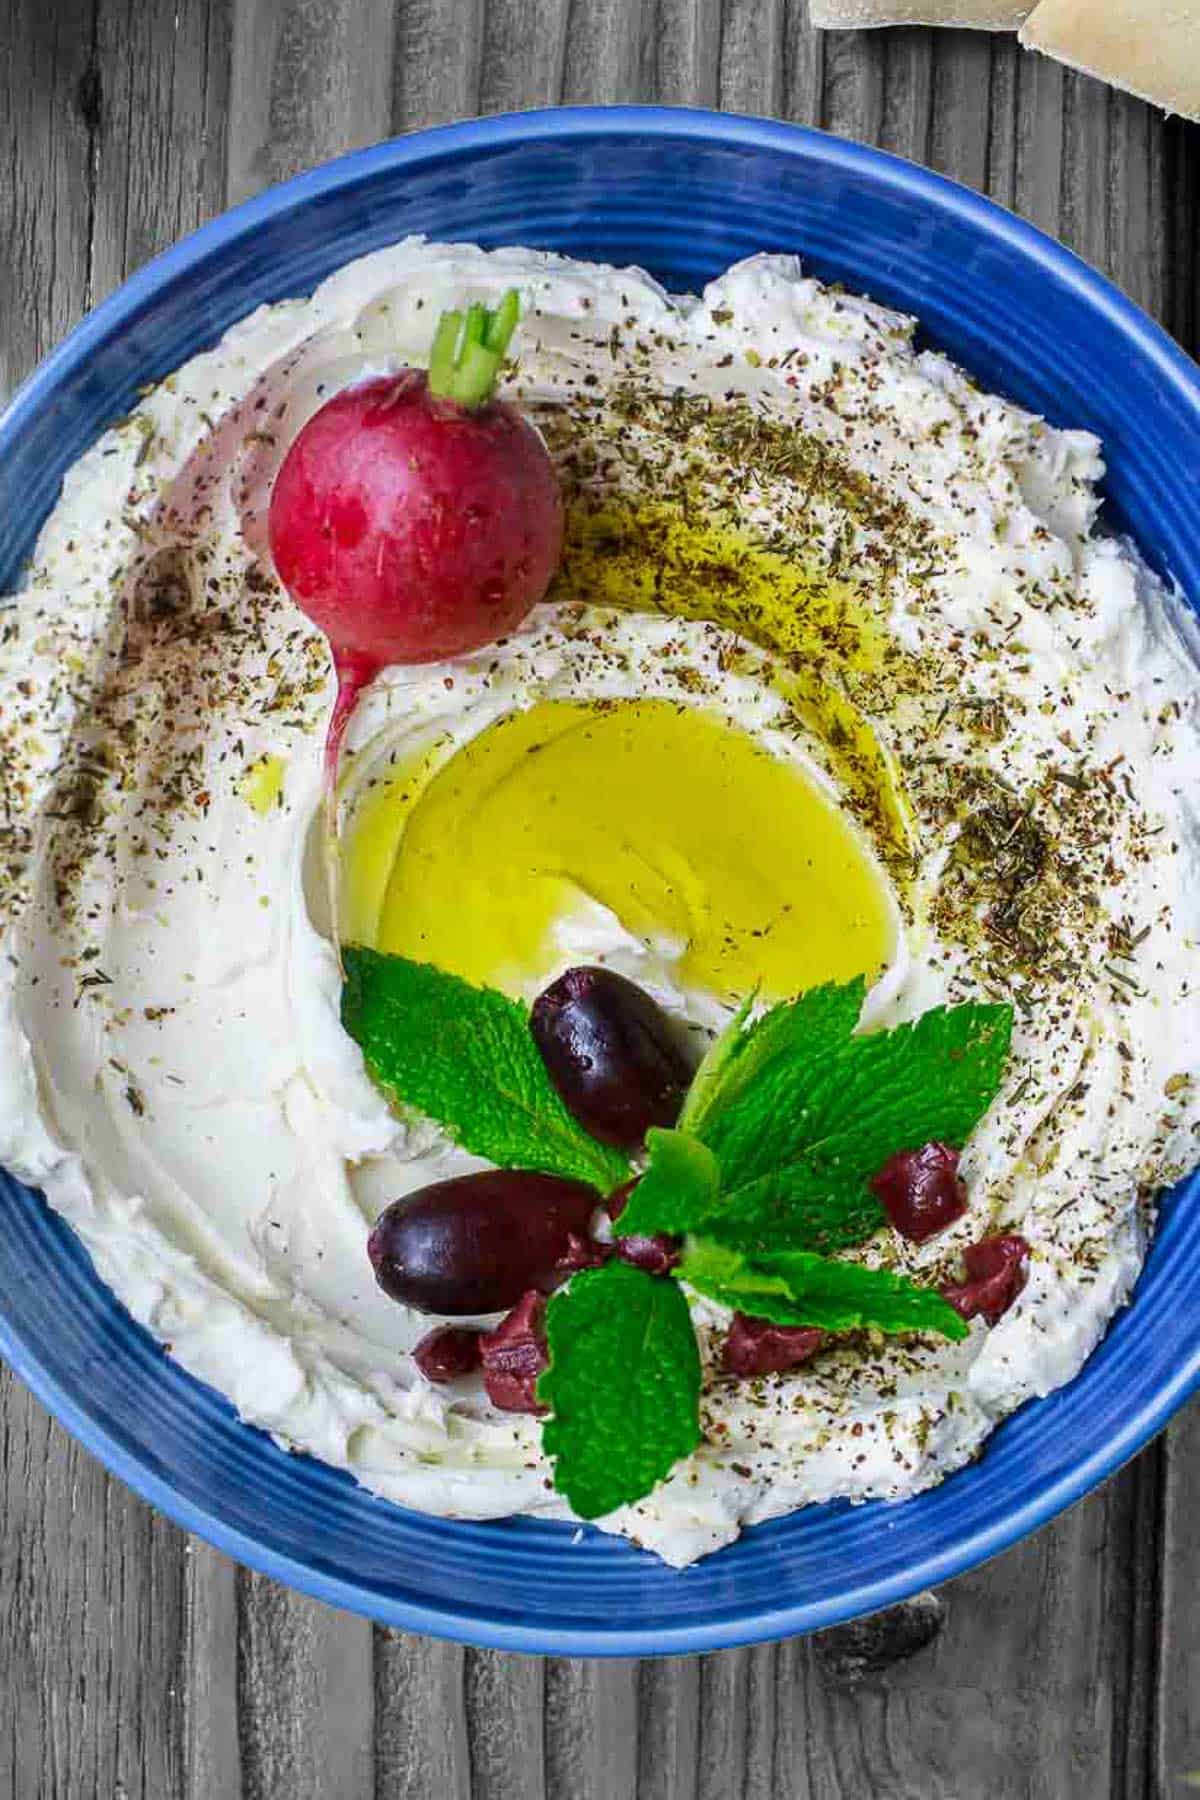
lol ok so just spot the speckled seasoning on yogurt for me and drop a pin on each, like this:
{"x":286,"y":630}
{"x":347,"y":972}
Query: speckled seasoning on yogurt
{"x":782,"y":518}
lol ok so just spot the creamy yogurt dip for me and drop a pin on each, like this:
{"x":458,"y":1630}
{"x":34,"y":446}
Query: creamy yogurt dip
{"x":894,"y":582}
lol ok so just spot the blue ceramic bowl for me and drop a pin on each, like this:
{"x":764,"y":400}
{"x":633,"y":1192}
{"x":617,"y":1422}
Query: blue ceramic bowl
{"x":684,"y":194}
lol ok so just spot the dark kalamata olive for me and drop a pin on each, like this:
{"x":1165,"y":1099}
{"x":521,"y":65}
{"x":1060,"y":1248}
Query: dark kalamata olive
{"x":447,"y":1353}
{"x":612,"y":1053}
{"x":757,"y":1347}
{"x":997,"y":1270}
{"x":514,"y":1355}
{"x":921,"y":1190}
{"x":476,"y":1243}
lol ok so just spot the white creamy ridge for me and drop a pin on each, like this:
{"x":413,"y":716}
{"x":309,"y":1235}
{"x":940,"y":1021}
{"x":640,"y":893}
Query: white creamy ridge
{"x":173,"y":1071}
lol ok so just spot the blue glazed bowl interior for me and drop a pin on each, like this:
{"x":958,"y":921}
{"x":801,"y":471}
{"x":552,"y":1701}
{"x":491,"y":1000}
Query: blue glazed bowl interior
{"x":683,"y":194}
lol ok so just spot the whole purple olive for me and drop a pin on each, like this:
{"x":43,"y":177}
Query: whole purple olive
{"x":612,"y":1053}
{"x":476,"y":1243}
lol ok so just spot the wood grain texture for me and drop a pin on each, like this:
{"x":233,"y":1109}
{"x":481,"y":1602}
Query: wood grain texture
{"x":669,"y":1728}
{"x":504,"y":1697}
{"x":47,"y":150}
{"x":135,"y":1664}
{"x":1027,"y":1678}
{"x":212,"y":1751}
{"x":308,"y":79}
{"x":523,"y":60}
{"x":590,"y":1730}
{"x":438,"y":60}
{"x":420,"y":1719}
{"x":92,"y":1596}
{"x":1175,"y":1752}
{"x":160,"y":93}
{"x":306,"y":1707}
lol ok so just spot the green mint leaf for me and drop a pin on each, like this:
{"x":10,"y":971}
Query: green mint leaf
{"x":802,"y":1123}
{"x":794,"y":1287}
{"x":623,"y":1386}
{"x":716,"y":1068}
{"x":681,"y":1186}
{"x":815,"y":1023}
{"x":798,"y":1206}
{"x":465,"y":1057}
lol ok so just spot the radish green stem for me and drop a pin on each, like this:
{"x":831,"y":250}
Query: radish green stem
{"x":464,"y":364}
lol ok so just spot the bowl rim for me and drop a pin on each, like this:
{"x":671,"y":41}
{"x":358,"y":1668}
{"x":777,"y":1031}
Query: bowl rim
{"x":574,"y":124}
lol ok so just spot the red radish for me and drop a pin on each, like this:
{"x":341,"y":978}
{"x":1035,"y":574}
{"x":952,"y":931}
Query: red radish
{"x":416,"y":517}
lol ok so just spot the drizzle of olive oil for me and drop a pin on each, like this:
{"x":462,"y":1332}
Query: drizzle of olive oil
{"x":261,"y":786}
{"x":699,"y":840}
{"x":371,"y":843}
{"x":833,"y":651}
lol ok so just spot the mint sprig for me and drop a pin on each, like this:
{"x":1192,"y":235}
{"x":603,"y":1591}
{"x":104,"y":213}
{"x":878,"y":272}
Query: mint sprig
{"x":623,"y":1386}
{"x":768,"y":1170}
{"x":682,"y":1181}
{"x":798,"y":1287}
{"x":809,"y":1027}
{"x":465,"y":1057}
{"x":800,"y":1110}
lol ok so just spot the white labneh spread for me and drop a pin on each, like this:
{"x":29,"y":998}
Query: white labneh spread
{"x":173,"y":1070}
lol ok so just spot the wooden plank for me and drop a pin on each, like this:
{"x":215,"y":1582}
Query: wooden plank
{"x":745,"y":1743}
{"x":212,"y":1761}
{"x":503,"y":1696}
{"x":668,"y":1702}
{"x":1138,"y":238}
{"x":752,"y":55}
{"x":524,"y":55}
{"x":608,"y":58}
{"x":1175,"y":1768}
{"x":438,"y":66}
{"x":687,"y":52}
{"x":1038,"y":136}
{"x":453,"y":60}
{"x":906,"y":125}
{"x":161,"y":93}
{"x":92,"y":1595}
{"x":961,"y":103}
{"x":306,"y":1696}
{"x":1181,"y":162}
{"x":47,"y":147}
{"x":309,"y":80}
{"x":591,"y":1730}
{"x":852,"y":96}
{"x":420,"y":1720}
{"x":1000,"y":123}
{"x":1018,"y":1682}
{"x":1024,"y":1686}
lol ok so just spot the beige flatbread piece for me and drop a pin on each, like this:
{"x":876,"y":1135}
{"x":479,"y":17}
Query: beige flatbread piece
{"x":1150,"y":47}
{"x":848,"y":15}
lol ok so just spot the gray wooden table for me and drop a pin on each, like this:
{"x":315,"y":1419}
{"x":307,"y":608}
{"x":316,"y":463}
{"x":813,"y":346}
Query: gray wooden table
{"x":135,"y":1661}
